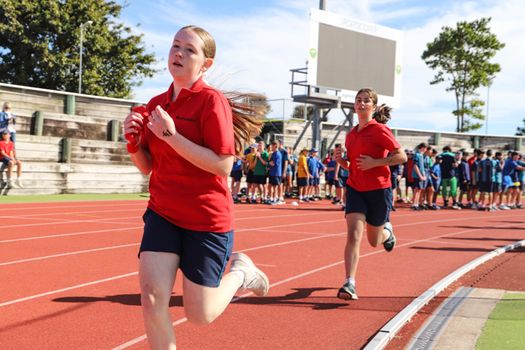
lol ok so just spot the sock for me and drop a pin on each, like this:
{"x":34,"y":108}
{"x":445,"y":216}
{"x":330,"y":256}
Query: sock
{"x":351,"y":280}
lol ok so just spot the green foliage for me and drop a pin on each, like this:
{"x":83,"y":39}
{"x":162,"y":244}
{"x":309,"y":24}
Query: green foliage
{"x":298,"y":112}
{"x":461,"y":57}
{"x":520,"y":130}
{"x":40,"y":41}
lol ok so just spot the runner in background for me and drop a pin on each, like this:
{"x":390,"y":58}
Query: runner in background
{"x":371,"y":148}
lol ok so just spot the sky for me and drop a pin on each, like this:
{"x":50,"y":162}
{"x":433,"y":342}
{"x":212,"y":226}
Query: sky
{"x":258,"y":42}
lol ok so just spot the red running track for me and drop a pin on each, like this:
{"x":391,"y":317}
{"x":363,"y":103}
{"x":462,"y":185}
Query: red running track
{"x":69,"y":275}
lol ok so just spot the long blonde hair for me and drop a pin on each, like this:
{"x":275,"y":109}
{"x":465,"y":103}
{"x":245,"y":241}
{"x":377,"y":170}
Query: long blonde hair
{"x":247,"y":115}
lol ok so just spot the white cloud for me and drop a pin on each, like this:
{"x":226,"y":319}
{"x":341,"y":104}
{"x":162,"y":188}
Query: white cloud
{"x":256,"y":52}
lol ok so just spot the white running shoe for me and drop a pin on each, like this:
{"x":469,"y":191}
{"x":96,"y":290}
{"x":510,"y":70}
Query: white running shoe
{"x":254,"y":279}
{"x":19,"y":183}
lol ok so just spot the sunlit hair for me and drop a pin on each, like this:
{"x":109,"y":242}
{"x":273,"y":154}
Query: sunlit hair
{"x":247,"y":115}
{"x":382,"y":113}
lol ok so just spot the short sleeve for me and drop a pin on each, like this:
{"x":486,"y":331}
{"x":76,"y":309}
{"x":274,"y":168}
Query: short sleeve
{"x":217,"y":125}
{"x":387,"y":139}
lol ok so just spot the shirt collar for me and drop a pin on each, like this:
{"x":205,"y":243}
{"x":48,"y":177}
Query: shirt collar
{"x":371,"y":122}
{"x":184,"y":93}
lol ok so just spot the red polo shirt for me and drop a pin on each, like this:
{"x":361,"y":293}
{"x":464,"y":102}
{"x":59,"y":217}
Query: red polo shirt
{"x":7,"y":147}
{"x":375,"y":140}
{"x":182,"y":193}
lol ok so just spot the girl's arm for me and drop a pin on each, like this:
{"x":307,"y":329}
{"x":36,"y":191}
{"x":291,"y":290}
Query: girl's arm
{"x":397,"y":156}
{"x":161,"y":124}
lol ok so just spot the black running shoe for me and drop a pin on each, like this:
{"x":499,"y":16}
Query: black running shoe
{"x":347,"y":292}
{"x":390,"y":242}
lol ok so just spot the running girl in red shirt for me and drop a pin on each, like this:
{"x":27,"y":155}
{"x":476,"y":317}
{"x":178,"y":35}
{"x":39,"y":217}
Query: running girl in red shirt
{"x":186,"y":139}
{"x":371,"y":149}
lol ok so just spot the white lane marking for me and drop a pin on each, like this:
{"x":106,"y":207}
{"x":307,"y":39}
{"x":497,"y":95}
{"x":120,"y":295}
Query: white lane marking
{"x":6,"y":303}
{"x":69,"y":253}
{"x":304,"y":274}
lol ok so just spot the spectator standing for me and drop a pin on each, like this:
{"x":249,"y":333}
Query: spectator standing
{"x":8,"y":121}
{"x":303,"y":175}
{"x":275,"y":174}
{"x":449,"y":178}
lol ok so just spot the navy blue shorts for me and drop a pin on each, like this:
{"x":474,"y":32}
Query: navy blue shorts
{"x":497,"y":187}
{"x":486,"y":187}
{"x":250,"y":178}
{"x":376,"y":204}
{"x":259,"y":179}
{"x":275,"y":180}
{"x":302,"y":181}
{"x":313,"y":181}
{"x":203,"y":255}
{"x":236,"y":174}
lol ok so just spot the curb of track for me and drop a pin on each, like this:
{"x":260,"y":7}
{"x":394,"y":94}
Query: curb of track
{"x":389,"y":330}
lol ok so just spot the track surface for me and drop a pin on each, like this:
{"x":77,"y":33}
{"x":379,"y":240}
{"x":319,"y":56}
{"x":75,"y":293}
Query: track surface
{"x":69,"y":275}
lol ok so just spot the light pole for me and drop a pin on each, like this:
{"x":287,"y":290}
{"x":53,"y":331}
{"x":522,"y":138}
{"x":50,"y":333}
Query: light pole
{"x":487,"y":116}
{"x":82,"y":26}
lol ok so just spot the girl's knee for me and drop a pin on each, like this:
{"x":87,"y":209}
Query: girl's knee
{"x":153,"y":299}
{"x":199,"y":315}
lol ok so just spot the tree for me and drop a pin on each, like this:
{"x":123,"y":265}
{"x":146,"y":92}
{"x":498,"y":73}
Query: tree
{"x":461,"y":57}
{"x":40,"y":40}
{"x":298,"y":112}
{"x":520,"y":130}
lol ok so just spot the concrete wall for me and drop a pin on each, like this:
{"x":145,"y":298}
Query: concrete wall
{"x":70,"y":153}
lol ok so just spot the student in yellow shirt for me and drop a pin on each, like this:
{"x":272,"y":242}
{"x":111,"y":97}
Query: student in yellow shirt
{"x":303,"y":175}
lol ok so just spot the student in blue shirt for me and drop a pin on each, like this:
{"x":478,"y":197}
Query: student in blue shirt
{"x":275,"y":173}
{"x":498,"y":183}
{"x":236,"y":175}
{"x":511,"y":180}
{"x":418,"y":173}
{"x":464,"y":179}
{"x":487,"y":177}
{"x":435,"y":180}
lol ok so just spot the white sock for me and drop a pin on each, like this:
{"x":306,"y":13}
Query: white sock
{"x":351,"y":280}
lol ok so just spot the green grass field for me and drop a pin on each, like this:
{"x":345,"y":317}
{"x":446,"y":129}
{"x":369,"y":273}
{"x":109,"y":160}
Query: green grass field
{"x":72,"y":197}
{"x":505,"y":327}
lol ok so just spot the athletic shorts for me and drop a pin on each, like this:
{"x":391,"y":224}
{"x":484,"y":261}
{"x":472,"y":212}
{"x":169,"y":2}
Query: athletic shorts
{"x":410,"y":184}
{"x":376,"y":204}
{"x":330,"y":182}
{"x":419,"y":184}
{"x":464,"y":186}
{"x":203,"y":255}
{"x":259,"y":179}
{"x":250,"y":177}
{"x":435,"y":184}
{"x":313,"y":181}
{"x":275,"y":180}
{"x":5,"y":160}
{"x":339,"y":183}
{"x":486,"y":187}
{"x":236,"y":175}
{"x":497,"y":187}
{"x":522,"y":186}
{"x":302,"y":181}
{"x":394,"y":181}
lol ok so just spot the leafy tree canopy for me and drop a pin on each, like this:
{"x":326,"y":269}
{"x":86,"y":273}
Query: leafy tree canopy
{"x":461,"y":57}
{"x":40,"y":42}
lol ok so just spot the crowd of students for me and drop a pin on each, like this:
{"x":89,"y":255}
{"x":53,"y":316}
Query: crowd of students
{"x":272,"y":171}
{"x":482,"y":180}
